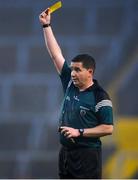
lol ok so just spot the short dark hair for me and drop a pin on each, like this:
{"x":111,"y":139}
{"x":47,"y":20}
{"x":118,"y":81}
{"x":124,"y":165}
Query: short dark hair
{"x":87,"y":61}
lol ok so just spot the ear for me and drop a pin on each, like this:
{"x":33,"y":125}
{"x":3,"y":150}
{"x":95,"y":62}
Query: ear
{"x":90,"y":71}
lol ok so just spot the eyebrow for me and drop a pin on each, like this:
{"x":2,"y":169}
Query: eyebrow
{"x":75,"y":68}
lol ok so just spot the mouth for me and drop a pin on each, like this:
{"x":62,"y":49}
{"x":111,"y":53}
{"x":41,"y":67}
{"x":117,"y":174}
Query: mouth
{"x":75,"y":80}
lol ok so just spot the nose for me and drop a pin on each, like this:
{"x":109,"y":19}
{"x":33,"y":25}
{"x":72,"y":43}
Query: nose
{"x":72,"y":73}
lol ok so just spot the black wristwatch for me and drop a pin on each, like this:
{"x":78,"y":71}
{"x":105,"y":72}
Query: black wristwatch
{"x":81,"y":131}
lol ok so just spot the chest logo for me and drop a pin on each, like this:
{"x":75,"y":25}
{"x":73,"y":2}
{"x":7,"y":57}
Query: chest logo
{"x":76,"y":98}
{"x":82,"y":112}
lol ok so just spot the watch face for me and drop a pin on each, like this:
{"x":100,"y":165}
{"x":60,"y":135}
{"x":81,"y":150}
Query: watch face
{"x":81,"y":130}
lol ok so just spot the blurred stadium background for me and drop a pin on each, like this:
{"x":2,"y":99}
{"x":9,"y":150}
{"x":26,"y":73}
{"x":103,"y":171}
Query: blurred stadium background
{"x":30,"y":89}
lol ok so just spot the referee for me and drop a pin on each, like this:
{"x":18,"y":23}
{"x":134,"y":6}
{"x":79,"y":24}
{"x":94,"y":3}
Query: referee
{"x":86,"y":113}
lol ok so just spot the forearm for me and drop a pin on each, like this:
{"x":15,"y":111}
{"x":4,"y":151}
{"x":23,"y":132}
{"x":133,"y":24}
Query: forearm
{"x":98,"y":131}
{"x":53,"y":48}
{"x":51,"y":43}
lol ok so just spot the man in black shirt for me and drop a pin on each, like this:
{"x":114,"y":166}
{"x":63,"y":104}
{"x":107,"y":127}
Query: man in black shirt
{"x":86,"y":113}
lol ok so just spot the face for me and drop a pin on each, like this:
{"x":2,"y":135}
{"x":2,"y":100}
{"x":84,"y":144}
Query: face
{"x":81,"y":76}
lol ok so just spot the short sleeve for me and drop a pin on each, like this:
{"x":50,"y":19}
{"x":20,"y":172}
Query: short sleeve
{"x":65,"y":75}
{"x":105,"y":115}
{"x":104,"y":109}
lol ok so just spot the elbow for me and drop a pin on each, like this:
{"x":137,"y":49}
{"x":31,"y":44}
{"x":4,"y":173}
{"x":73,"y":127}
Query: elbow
{"x":110,"y":130}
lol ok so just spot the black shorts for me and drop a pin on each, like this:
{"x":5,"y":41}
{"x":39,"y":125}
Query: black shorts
{"x":80,"y":163}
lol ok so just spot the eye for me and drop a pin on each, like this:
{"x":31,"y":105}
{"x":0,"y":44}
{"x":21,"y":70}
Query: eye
{"x":77,"y":69}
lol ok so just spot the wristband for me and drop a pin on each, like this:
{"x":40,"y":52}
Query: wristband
{"x":45,"y":25}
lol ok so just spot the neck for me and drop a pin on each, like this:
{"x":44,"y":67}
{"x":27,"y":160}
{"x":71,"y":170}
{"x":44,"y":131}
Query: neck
{"x":83,"y":88}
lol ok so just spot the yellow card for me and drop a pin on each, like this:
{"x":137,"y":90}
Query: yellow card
{"x":55,"y":6}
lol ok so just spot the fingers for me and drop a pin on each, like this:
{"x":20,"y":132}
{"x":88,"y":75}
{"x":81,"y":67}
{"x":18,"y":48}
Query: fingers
{"x":66,"y":131}
{"x":45,"y":13}
{"x":45,"y":17}
{"x":42,"y":15}
{"x":67,"y":134}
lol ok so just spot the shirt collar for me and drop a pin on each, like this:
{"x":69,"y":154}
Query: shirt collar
{"x":93,"y":86}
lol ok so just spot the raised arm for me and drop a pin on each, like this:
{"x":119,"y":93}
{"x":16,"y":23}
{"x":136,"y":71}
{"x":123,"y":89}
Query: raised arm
{"x":50,"y":41}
